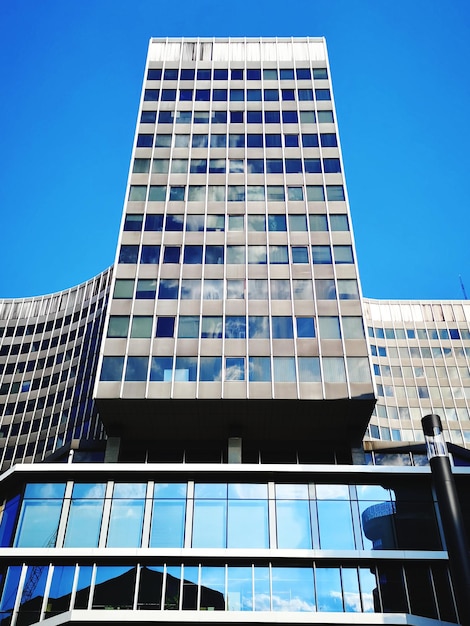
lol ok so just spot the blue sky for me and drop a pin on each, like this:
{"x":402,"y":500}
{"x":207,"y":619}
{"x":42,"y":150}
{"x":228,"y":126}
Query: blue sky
{"x":71,"y":76}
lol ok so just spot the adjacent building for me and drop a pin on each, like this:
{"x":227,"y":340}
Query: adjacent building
{"x":251,"y":450}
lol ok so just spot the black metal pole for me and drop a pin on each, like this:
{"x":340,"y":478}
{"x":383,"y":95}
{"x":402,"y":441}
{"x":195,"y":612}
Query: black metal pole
{"x":451,"y":514}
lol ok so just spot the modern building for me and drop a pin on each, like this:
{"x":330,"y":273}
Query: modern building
{"x":251,"y":451}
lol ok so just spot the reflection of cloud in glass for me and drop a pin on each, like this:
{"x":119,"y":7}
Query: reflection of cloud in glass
{"x":213,"y":289}
{"x":235,"y":369}
{"x":292,"y":604}
{"x":332,"y":492}
{"x":247,"y":491}
{"x":130,"y":490}
{"x":191,"y":289}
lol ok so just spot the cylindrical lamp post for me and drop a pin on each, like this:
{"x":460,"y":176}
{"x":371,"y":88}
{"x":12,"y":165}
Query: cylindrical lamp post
{"x":451,"y":514}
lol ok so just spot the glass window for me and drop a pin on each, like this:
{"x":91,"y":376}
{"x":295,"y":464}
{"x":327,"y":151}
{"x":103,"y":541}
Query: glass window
{"x":196,"y":193}
{"x":235,"y":254}
{"x":278,"y":254}
{"x":256,"y":223}
{"x":339,"y":222}
{"x":235,"y":289}
{"x":299,"y":254}
{"x":234,"y":368}
{"x":170,"y":74}
{"x":297,"y":223}
{"x":291,"y":141}
{"x":127,"y":510}
{"x":219,"y":141}
{"x":138,"y":193}
{"x":211,"y":327}
{"x":253,"y":95}
{"x":259,"y":368}
{"x":257,"y":255}
{"x":176,"y":195}
{"x":192,"y":255}
{"x":273,"y":141}
{"x":154,"y":74}
{"x":163,"y":141}
{"x":315,"y":193}
{"x":188,"y":326}
{"x":86,"y":510}
{"x":171,"y":254}
{"x":303,"y":289}
{"x":237,"y":95}
{"x":153,"y":222}
{"x":174,"y":222}
{"x":353,"y":328}
{"x":348,"y":289}
{"x":200,"y":141}
{"x":258,"y":327}
{"x":181,"y":141}
{"x":255,"y":193}
{"x":293,"y":589}
{"x":293,"y":524}
{"x":329,"y":327}
{"x":219,"y":117}
{"x":325,"y":117}
{"x":210,"y":368}
{"x":335,"y":192}
{"x":287,"y":74}
{"x":201,"y":117}
{"x":165,"y":117}
{"x":168,"y":289}
{"x":343,"y":254}
{"x":333,"y":370}
{"x":312,"y":166}
{"x":236,"y":166}
{"x":328,"y":140}
{"x":141,"y":326}
{"x":274,"y":166}
{"x":305,"y":327}
{"x":321,"y":254}
{"x":325,"y":288}
{"x":280,"y":289}
{"x":309,"y":369}
{"x":247,"y":523}
{"x":236,"y":193}
{"x":257,"y":289}
{"x":186,"y":95}
{"x":141,"y":166}
{"x":288,"y":94}
{"x":39,"y":515}
{"x":308,"y":117}
{"x":144,"y":140}
{"x":236,"y":117}
{"x":282,"y":327}
{"x":191,"y":289}
{"x":271,"y":95}
{"x":165,"y":327}
{"x":195,"y":223}
{"x":118,"y":326}
{"x":146,"y":288}
{"x":309,"y":140}
{"x":128,"y":254}
{"x":290,"y":117}
{"x":168,"y":518}
{"x":112,"y":367}
{"x":272,"y":117}
{"x":235,"y":327}
{"x":133,"y":222}
{"x":136,"y":368}
{"x":216,"y":166}
{"x":185,"y":369}
{"x":318,"y":222}
{"x":214,"y":255}
{"x":275,"y":193}
{"x":236,"y":222}
{"x":277,"y":223}
{"x":331,"y":166}
{"x":213,"y":289}
{"x":305,"y":94}
{"x":293,"y":166}
{"x":161,"y":368}
{"x":322,"y":94}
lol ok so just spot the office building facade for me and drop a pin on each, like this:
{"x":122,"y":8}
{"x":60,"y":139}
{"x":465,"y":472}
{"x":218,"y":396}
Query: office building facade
{"x":251,"y":450}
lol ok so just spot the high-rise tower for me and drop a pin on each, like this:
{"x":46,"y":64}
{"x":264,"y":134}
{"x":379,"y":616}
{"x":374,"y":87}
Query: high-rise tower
{"x":218,"y":474}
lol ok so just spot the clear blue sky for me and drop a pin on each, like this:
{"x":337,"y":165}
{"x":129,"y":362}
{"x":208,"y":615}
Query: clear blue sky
{"x":70,"y":76}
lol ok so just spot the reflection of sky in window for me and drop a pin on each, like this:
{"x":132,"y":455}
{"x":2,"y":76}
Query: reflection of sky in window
{"x":234,"y":368}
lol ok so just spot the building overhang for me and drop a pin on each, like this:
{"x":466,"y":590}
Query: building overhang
{"x":257,"y":419}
